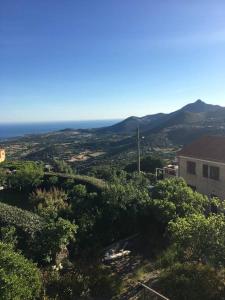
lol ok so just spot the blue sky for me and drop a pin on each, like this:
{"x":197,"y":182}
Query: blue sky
{"x":104,"y":59}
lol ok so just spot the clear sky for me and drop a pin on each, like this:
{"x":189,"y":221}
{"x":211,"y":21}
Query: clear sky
{"x":99,"y":59}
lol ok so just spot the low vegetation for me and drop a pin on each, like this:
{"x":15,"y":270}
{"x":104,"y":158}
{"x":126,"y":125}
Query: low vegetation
{"x":73,"y":218}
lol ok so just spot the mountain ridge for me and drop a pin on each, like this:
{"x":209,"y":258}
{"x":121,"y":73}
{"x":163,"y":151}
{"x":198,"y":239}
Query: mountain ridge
{"x":176,"y":128}
{"x":150,"y":122}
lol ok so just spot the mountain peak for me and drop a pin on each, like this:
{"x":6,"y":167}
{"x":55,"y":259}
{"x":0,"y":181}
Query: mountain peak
{"x":199,"y":101}
{"x":199,"y":106}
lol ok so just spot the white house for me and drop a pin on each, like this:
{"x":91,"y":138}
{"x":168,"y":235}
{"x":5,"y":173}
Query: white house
{"x":202,"y":165}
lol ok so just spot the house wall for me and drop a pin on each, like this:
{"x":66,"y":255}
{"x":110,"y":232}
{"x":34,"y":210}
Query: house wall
{"x":2,"y":155}
{"x":206,"y":186}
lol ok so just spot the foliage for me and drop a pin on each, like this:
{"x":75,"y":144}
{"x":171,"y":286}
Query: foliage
{"x":92,"y":282}
{"x":105,"y":217}
{"x":68,"y":286}
{"x":91,"y":183}
{"x":49,"y":203}
{"x":54,"y":238}
{"x":105,"y":212}
{"x":60,"y":166}
{"x":27,"y":176}
{"x":24,"y":220}
{"x":19,"y":278}
{"x":168,"y":257}
{"x":103,"y":283}
{"x":148,"y":165}
{"x":123,"y":205}
{"x":200,"y":238}
{"x":3,"y":177}
{"x":103,"y":172}
{"x":52,"y":181}
{"x":192,"y":282}
{"x":86,"y":208}
{"x":8,"y":235}
{"x":172,"y":198}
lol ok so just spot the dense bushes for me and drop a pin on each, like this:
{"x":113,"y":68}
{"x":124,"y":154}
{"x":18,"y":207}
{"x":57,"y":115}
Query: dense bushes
{"x":77,"y":217}
{"x":200,"y":238}
{"x":26,"y":221}
{"x":92,"y":183}
{"x":172,"y":198}
{"x":93,"y":282}
{"x":192,"y":282}
{"x":53,"y":240}
{"x":49,"y":203}
{"x":26,"y":176}
{"x":196,"y":238}
{"x":148,"y":165}
{"x":39,"y":238}
{"x":19,"y":278}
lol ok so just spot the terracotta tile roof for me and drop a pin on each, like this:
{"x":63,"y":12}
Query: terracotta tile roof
{"x":210,"y":148}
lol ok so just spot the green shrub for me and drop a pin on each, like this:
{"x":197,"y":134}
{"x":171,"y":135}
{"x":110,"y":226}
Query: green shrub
{"x":24,"y":220}
{"x":68,"y":286}
{"x":168,"y":258}
{"x":92,"y":183}
{"x":54,"y":238}
{"x":27,"y":176}
{"x":172,"y":198}
{"x":103,"y":283}
{"x":8,"y":235}
{"x":49,"y":203}
{"x":192,"y":282}
{"x":200,"y":238}
{"x":148,"y":164}
{"x":19,"y":278}
{"x":94,"y":282}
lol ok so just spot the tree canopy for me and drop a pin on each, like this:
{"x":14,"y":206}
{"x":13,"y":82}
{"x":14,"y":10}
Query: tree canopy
{"x":19,"y":278}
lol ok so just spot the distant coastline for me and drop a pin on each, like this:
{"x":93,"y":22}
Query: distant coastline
{"x":15,"y":130}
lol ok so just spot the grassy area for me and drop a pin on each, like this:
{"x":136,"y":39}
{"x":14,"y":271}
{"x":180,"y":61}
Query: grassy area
{"x":95,"y":183}
{"x":141,"y":273}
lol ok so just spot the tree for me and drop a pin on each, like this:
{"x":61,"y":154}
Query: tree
{"x":27,"y":176}
{"x":19,"y":278}
{"x":148,"y":165}
{"x":54,"y":238}
{"x":61,"y":166}
{"x":122,"y":208}
{"x":200,"y":238}
{"x":52,"y":181}
{"x":172,"y":198}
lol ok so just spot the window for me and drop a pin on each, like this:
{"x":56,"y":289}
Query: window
{"x":214,"y":173}
{"x":205,"y":171}
{"x":191,"y":167}
{"x":210,"y":172}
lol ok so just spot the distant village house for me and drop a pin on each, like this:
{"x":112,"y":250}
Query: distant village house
{"x":2,"y":155}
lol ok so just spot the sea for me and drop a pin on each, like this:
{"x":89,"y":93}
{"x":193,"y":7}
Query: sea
{"x":14,"y":130}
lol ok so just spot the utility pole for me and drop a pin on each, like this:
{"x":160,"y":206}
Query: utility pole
{"x":138,"y":150}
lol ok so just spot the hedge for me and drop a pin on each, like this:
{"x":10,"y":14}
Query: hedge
{"x":92,"y":182}
{"x":24,"y":220}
